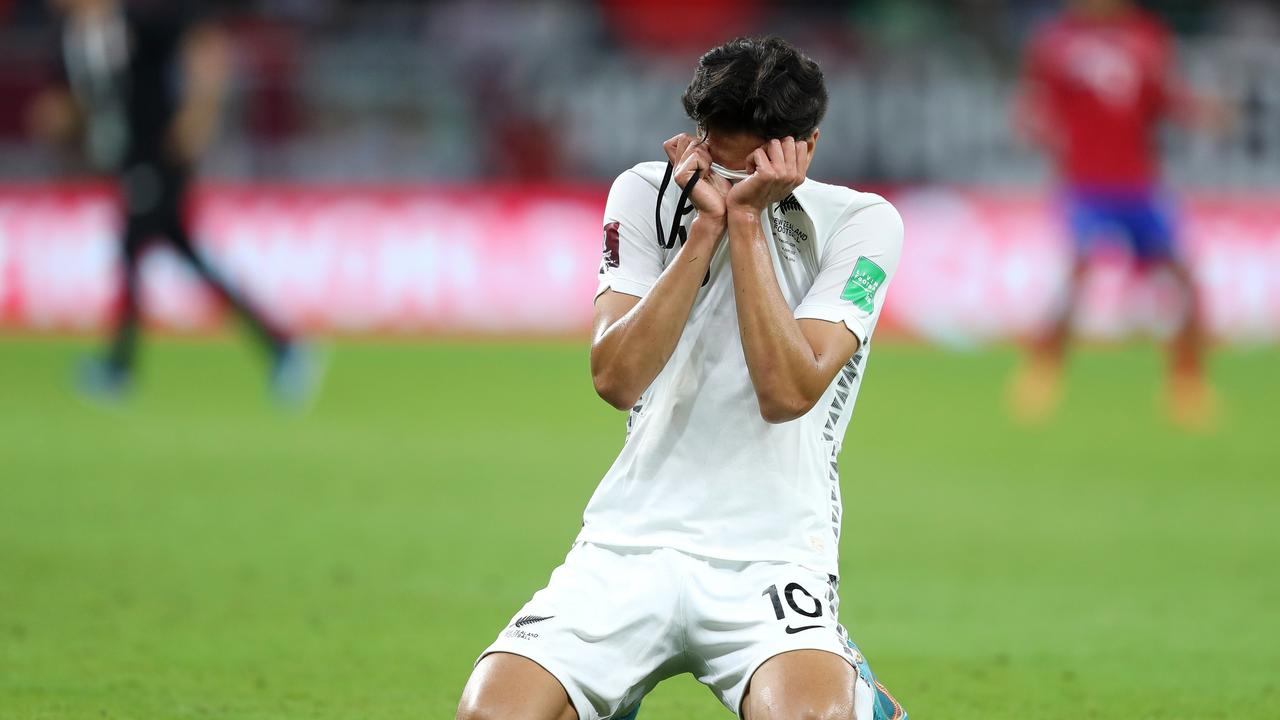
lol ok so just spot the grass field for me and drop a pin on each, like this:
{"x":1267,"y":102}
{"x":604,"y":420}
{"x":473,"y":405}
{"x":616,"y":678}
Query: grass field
{"x":197,"y":554}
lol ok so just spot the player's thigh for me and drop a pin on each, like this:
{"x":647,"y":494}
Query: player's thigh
{"x":605,"y":627}
{"x":1151,"y":230}
{"x":743,"y":616}
{"x":510,"y":687}
{"x":1089,"y":219}
{"x":802,"y":685}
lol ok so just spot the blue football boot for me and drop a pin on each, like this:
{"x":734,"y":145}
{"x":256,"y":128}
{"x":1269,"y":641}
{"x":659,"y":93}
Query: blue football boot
{"x":885,"y":706}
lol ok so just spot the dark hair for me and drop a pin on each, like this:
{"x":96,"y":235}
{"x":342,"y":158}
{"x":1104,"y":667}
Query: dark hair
{"x":759,"y":85}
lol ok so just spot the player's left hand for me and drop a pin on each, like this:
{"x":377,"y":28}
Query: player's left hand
{"x":777,"y":168}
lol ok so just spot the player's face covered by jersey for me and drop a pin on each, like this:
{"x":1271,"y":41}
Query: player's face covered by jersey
{"x":731,"y":159}
{"x":731,"y":152}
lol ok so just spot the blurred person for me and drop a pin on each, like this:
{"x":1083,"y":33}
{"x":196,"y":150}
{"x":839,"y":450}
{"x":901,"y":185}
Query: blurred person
{"x":737,"y":338}
{"x":142,"y":87}
{"x":1098,"y":82}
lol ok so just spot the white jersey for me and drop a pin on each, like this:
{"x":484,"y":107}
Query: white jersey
{"x":701,"y":471}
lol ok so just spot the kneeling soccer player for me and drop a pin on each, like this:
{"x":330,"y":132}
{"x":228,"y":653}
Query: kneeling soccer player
{"x":737,"y":338}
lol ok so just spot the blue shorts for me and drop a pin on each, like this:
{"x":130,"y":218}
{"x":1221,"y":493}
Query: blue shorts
{"x":1141,"y":219}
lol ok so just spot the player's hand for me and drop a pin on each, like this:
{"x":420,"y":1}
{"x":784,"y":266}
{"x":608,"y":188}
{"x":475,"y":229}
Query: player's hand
{"x":1216,"y":116}
{"x":777,"y":168}
{"x":52,"y":116}
{"x":688,"y":154}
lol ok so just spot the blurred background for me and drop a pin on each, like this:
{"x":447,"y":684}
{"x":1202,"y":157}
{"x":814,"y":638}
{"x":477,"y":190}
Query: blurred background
{"x":518,"y":114}
{"x":421,"y":184}
{"x":563,"y":90}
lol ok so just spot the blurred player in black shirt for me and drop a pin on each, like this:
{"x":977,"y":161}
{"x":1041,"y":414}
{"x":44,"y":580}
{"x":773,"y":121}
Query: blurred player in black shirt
{"x":144,"y":84}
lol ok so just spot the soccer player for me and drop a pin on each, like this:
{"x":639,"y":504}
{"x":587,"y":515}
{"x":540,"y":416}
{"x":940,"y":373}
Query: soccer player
{"x":146,"y":85}
{"x":1098,"y":82}
{"x":736,"y":305}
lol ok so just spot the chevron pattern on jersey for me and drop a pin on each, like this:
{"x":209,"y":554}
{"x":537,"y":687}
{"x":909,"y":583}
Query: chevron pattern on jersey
{"x":844,"y":385}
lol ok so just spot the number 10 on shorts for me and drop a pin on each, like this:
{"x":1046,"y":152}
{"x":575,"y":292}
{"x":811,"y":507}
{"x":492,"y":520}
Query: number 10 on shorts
{"x":801,"y":607}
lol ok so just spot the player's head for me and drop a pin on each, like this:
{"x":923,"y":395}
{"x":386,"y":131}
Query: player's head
{"x":71,"y":7}
{"x":1098,"y":8}
{"x":751,"y":90}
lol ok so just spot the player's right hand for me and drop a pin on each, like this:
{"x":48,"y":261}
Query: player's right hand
{"x":688,"y":154}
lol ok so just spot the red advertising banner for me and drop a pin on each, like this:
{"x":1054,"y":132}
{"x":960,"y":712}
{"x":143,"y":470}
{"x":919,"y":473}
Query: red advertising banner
{"x":977,"y":265}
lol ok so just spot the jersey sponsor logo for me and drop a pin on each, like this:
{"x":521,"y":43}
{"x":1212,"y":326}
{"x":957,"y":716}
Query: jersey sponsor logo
{"x":863,"y":284}
{"x":794,"y":630}
{"x":612,"y":253}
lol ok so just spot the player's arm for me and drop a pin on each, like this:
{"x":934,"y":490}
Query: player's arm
{"x":793,"y":357}
{"x":1182,"y":103}
{"x":791,"y":362}
{"x":634,"y":337}
{"x":638,"y":322}
{"x":53,"y":117}
{"x":1031,"y":110}
{"x":206,"y":68}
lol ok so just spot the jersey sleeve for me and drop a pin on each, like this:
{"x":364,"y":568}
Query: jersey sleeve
{"x":855,"y":271}
{"x":632,"y":260}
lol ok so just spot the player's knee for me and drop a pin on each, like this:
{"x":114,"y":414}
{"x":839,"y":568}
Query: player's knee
{"x":510,"y":687}
{"x":475,"y":708}
{"x":486,"y":706}
{"x":829,"y":711}
{"x":832,"y":710}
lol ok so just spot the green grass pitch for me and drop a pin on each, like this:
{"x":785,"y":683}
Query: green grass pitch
{"x":198,"y":554}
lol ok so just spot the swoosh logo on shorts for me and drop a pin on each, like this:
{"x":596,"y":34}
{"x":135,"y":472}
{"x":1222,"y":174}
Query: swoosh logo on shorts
{"x":793,"y":631}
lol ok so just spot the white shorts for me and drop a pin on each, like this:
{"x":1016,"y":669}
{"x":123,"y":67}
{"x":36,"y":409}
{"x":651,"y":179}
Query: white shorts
{"x":613,"y":622}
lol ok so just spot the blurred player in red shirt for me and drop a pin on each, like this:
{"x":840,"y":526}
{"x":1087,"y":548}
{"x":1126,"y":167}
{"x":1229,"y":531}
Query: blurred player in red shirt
{"x":1097,"y":83}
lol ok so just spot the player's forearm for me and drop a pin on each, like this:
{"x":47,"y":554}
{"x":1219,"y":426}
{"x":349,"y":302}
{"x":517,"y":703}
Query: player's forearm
{"x":629,"y":354}
{"x":782,"y":365}
{"x":207,"y":69}
{"x":53,"y":117}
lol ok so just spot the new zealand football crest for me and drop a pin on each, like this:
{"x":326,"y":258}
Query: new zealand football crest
{"x":789,"y":204}
{"x":792,"y":229}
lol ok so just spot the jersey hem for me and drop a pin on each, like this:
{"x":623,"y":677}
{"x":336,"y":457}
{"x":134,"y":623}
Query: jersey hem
{"x":835,"y":315}
{"x":622,"y":285}
{"x":823,"y":567}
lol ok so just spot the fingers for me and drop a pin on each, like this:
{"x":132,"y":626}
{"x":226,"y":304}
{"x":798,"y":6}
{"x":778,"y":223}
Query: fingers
{"x":687,"y":155}
{"x":787,"y":146}
{"x":759,"y":164}
{"x":677,"y":146}
{"x":669,"y":147}
{"x":695,"y":156}
{"x":803,"y":158}
{"x":789,"y":159}
{"x":777,"y":155}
